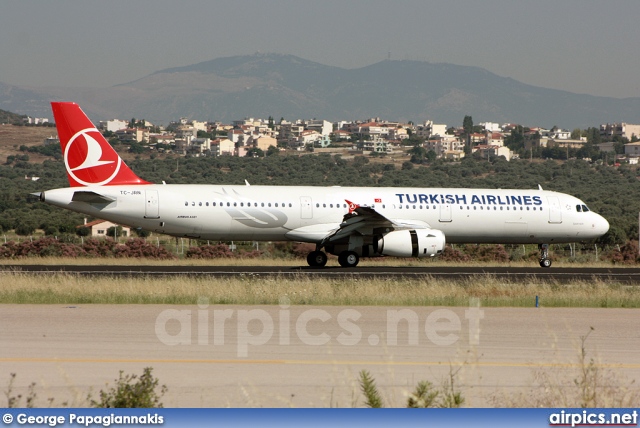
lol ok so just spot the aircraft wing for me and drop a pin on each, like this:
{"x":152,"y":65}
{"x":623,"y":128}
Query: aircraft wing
{"x":367,"y":221}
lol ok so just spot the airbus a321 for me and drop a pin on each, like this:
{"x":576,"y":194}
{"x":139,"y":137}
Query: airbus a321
{"x":350,"y":222}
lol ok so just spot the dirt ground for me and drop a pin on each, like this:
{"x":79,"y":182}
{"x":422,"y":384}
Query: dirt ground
{"x":12,"y":137}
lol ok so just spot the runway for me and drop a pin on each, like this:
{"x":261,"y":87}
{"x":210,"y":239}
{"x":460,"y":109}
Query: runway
{"x":622,"y":275}
{"x":305,"y":356}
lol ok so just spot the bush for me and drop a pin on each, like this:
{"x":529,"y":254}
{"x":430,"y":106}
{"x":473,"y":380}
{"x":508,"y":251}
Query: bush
{"x":129,"y":393}
{"x":627,"y":255}
{"x":219,"y":251}
{"x":49,"y":246}
{"x":139,"y":248}
{"x":209,"y":252}
{"x":425,"y":394}
{"x":43,"y":247}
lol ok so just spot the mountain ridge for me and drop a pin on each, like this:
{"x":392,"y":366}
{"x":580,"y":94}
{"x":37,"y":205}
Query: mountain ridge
{"x":282,"y":85}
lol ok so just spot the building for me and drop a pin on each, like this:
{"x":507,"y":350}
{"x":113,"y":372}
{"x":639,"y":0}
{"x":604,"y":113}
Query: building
{"x":491,"y":126}
{"x":51,"y":140}
{"x":322,"y":127}
{"x":341,"y":135}
{"x":487,"y":151}
{"x":558,"y":134}
{"x":626,"y":130}
{"x":495,"y":139}
{"x":566,"y":143}
{"x":113,"y":125}
{"x":398,"y":133}
{"x":223,"y":147}
{"x":36,"y":120}
{"x":199,"y":145}
{"x":429,"y":129}
{"x":99,"y":228}
{"x":133,"y":134}
{"x":379,"y":146}
{"x":263,"y":143}
{"x":442,"y":145}
{"x":632,"y":149}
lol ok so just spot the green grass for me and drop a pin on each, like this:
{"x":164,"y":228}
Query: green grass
{"x":302,"y":290}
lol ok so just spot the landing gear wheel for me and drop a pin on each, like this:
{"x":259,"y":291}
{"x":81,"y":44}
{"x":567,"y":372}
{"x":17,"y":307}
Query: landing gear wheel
{"x":545,"y":261}
{"x":348,"y":259}
{"x":317,"y":259}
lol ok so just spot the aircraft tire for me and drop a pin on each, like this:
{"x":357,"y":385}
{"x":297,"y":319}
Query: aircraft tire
{"x":348,"y":259}
{"x":317,"y":259}
{"x":545,"y":263}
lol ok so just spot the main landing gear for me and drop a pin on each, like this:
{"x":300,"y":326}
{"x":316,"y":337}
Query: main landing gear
{"x":317,"y":258}
{"x":346,"y":258}
{"x":545,"y":261}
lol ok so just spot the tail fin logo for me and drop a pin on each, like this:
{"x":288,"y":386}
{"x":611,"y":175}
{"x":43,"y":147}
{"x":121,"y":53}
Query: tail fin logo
{"x":87,"y":162}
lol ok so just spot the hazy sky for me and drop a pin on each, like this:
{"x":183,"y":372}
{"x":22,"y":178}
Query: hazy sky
{"x":576,"y":45}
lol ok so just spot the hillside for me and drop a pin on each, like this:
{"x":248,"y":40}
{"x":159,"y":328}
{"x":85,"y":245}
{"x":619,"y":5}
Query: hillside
{"x":6,"y":117}
{"x":12,"y":137}
{"x":286,"y":86}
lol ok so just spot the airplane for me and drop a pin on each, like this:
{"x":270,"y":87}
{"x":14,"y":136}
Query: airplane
{"x":350,"y":222}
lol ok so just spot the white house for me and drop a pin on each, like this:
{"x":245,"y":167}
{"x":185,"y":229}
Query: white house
{"x":99,"y":228}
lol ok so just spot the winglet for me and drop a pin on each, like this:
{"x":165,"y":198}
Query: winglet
{"x":89,"y":158}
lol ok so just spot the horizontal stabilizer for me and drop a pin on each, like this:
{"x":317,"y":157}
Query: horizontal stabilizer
{"x":90,"y":198}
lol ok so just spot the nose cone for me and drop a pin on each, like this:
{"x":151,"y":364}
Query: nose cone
{"x":600,"y":225}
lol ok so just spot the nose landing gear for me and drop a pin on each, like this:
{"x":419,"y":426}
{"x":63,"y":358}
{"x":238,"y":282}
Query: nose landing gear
{"x":545,"y":261}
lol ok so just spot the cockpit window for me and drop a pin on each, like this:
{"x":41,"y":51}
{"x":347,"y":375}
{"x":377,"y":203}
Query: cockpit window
{"x":585,"y":209}
{"x":582,"y":208}
{"x":579,"y":208}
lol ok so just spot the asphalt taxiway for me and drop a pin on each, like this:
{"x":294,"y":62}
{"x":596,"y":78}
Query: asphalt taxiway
{"x":307,"y":356}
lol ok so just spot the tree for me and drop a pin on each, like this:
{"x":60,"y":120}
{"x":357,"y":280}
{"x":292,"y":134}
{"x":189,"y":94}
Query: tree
{"x":142,"y":233}
{"x":272,"y":151}
{"x":255,"y":152}
{"x":25,"y":228}
{"x":576,"y":134}
{"x":83,"y":231}
{"x":467,"y":125}
{"x":515,"y":141}
{"x":593,"y":136}
{"x":114,"y":231}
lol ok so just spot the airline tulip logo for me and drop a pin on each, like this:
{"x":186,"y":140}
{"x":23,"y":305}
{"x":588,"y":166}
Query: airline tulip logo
{"x":87,"y":161}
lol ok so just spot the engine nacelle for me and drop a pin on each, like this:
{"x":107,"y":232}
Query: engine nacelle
{"x":411,"y":243}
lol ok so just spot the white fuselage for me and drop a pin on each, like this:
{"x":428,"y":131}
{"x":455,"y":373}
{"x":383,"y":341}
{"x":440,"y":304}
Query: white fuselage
{"x":306,"y":213}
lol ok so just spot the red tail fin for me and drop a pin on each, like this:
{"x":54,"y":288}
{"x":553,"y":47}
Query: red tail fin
{"x":89,"y":158}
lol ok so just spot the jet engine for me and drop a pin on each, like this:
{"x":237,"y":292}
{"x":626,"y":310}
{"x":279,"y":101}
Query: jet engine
{"x":411,"y":243}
